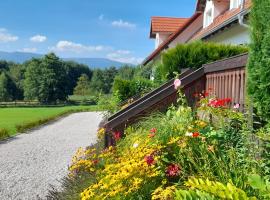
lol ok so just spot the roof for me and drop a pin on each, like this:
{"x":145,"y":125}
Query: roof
{"x":221,"y":20}
{"x":165,"y":25}
{"x":171,"y":38}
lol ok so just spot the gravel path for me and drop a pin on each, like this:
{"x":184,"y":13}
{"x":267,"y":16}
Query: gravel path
{"x":29,"y":163}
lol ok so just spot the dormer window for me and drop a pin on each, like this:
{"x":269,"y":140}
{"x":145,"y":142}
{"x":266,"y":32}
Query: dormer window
{"x":208,"y":18}
{"x":235,"y":4}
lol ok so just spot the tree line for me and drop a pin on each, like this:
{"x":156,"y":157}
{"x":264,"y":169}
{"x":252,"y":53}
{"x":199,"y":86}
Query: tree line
{"x":51,"y":80}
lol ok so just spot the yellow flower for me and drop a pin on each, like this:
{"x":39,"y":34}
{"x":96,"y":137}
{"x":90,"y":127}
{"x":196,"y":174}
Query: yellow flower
{"x":164,"y":194}
{"x":101,"y":133}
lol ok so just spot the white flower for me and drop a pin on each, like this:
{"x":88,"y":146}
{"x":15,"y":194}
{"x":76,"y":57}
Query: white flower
{"x":189,"y":134}
{"x":236,"y":106}
{"x":135,"y":145}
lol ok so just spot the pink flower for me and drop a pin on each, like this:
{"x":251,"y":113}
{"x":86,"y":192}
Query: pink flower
{"x":149,"y":160}
{"x":153,"y":130}
{"x":173,"y":170}
{"x":236,"y":106}
{"x":177,"y":84}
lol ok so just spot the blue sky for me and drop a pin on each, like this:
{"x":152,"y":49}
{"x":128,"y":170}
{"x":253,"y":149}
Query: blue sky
{"x":115,"y":29}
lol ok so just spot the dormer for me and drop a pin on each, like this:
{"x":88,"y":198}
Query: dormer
{"x":163,"y":27}
{"x":235,"y":4}
{"x":213,"y":9}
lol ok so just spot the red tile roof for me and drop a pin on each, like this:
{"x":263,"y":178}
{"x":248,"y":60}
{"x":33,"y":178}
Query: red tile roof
{"x":171,"y":38}
{"x":216,"y":23}
{"x":166,"y":24}
{"x":220,"y":20}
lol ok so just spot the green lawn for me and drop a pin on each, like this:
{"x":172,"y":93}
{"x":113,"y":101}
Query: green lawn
{"x":10,"y":117}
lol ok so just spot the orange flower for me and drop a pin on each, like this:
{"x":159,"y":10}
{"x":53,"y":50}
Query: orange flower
{"x":151,"y":135}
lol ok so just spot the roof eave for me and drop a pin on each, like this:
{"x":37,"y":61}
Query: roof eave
{"x":224,"y":24}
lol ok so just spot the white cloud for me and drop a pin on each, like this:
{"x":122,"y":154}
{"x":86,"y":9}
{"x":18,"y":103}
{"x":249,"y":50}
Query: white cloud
{"x":29,"y":50}
{"x":38,"y":38}
{"x":101,"y":17}
{"x":124,"y":56}
{"x":123,"y":24}
{"x":7,"y":37}
{"x":68,"y":46}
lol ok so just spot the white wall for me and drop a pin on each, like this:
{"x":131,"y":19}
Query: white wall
{"x":186,"y":35}
{"x":160,"y":38}
{"x":209,"y":6}
{"x":234,"y":35}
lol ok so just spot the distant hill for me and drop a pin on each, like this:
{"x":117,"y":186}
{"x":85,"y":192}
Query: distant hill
{"x":20,"y":57}
{"x":98,"y":62}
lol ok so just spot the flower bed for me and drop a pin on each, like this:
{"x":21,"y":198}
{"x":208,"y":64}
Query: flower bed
{"x":178,"y":155}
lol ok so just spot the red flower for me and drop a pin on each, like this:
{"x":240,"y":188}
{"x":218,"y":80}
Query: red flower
{"x":117,"y":135}
{"x":205,"y":94}
{"x":195,"y":134}
{"x":95,"y":162}
{"x":151,"y":135}
{"x":173,"y":170}
{"x":219,"y":102}
{"x":149,"y":160}
{"x":153,"y":130}
{"x":195,"y":94}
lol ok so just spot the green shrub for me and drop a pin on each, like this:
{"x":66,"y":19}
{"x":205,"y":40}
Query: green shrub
{"x":194,"y":55}
{"x":128,"y":88}
{"x":3,"y":133}
{"x":259,"y":58}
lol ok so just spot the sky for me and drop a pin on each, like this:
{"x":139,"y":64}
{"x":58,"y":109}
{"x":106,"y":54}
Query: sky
{"x":114,"y":29}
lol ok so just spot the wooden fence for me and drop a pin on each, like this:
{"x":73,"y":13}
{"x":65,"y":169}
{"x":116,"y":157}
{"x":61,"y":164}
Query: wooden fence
{"x":226,"y":78}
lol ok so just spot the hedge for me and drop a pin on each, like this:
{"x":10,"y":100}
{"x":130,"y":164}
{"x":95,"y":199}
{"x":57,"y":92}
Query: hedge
{"x":194,"y":55}
{"x":125,"y":89}
{"x":259,"y":58}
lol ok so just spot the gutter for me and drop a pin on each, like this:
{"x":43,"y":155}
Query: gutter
{"x":242,"y":15}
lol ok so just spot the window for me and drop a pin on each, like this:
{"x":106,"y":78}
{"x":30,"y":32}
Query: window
{"x":235,"y":4}
{"x":208,"y":18}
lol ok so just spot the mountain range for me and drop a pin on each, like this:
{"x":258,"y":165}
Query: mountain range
{"x":20,"y":57}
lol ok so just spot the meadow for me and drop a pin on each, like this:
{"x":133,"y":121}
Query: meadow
{"x":17,"y":119}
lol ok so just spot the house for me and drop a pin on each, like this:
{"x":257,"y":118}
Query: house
{"x":214,"y":20}
{"x":223,"y":21}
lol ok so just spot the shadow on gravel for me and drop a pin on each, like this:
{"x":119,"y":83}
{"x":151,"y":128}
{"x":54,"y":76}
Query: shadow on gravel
{"x":8,"y":140}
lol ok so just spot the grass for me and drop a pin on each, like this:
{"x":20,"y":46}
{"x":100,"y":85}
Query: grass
{"x":13,"y":120}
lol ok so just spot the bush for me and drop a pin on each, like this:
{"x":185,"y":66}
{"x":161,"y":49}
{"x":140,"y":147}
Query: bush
{"x":3,"y":133}
{"x":125,"y":89}
{"x":259,"y":58}
{"x":194,"y":55}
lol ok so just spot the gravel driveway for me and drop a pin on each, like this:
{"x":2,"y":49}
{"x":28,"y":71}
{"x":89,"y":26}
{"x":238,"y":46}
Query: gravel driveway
{"x":29,"y":163}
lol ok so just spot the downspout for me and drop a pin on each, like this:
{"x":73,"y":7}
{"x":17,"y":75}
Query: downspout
{"x":242,"y":15}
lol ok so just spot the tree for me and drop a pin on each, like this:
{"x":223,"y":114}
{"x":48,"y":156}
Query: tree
{"x":126,"y":72}
{"x":45,"y":80}
{"x":6,"y":87}
{"x":83,"y":86}
{"x":16,"y":73}
{"x":102,"y":80}
{"x":108,"y":78}
{"x":74,"y":71}
{"x":259,"y":57}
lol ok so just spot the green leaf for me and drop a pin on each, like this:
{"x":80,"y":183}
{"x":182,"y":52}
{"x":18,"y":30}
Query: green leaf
{"x":256,"y":182}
